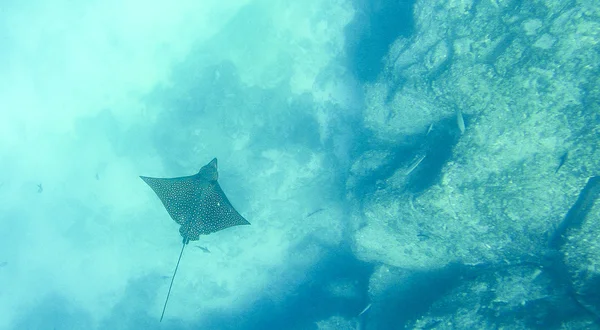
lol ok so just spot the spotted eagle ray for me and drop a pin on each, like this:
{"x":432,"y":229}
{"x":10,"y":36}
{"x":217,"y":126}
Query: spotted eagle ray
{"x":198,"y":204}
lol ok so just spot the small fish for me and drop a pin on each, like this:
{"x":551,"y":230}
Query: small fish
{"x":429,"y":129}
{"x":415,"y":164}
{"x":3,"y":263}
{"x":460,"y":121}
{"x":577,"y":213}
{"x":40,"y":188}
{"x":314,"y":212}
{"x":422,"y":236}
{"x":97,"y":176}
{"x":365,"y":310}
{"x":206,"y":250}
{"x":562,"y":161}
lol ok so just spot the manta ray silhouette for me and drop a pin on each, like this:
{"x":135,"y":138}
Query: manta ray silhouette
{"x":198,"y":204}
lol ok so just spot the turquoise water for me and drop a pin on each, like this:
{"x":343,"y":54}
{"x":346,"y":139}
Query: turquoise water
{"x":418,"y":165}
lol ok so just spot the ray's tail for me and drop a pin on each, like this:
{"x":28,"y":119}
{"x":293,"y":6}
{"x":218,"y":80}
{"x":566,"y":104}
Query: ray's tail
{"x":172,"y":279}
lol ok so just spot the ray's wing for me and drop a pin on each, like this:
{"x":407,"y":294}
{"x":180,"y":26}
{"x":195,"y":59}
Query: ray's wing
{"x":216,"y":212}
{"x":178,"y":195}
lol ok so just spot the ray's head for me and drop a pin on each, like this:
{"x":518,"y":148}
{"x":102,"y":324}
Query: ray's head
{"x":209,"y":171}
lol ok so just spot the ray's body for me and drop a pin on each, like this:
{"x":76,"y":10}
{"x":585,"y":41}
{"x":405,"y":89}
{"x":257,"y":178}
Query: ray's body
{"x":198,"y":204}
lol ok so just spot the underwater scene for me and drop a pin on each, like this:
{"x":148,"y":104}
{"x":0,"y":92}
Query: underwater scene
{"x":314,"y":164}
